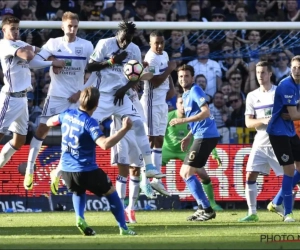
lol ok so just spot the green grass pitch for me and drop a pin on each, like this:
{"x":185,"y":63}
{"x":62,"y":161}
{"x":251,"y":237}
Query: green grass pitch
{"x":156,"y":230}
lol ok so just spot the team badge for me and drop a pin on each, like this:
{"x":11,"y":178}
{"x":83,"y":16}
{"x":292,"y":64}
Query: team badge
{"x":285,"y":158}
{"x":78,"y":51}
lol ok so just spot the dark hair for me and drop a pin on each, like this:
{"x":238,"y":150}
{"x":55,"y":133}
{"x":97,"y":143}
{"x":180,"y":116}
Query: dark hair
{"x":156,"y":33}
{"x":234,"y":73}
{"x":218,"y":92}
{"x":89,"y":98}
{"x":7,"y":19}
{"x":128,"y":27}
{"x":186,"y":67}
{"x":238,"y":95}
{"x":200,"y":75}
{"x":26,"y":12}
{"x":264,"y":64}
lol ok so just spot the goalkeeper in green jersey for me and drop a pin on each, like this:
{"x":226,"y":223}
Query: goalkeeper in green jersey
{"x":172,"y":150}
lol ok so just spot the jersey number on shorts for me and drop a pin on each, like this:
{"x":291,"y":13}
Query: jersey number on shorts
{"x":69,"y":136}
{"x":133,"y":108}
{"x":192,"y":155}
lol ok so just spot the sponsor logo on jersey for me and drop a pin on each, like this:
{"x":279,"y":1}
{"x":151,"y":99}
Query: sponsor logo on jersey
{"x":68,"y":62}
{"x":152,"y":69}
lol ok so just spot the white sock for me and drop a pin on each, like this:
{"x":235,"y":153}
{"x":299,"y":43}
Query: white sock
{"x":251,"y":197}
{"x":6,"y":153}
{"x":121,"y":187}
{"x":35,"y":146}
{"x":144,"y":180}
{"x":157,"y":158}
{"x":142,"y":141}
{"x":134,"y":189}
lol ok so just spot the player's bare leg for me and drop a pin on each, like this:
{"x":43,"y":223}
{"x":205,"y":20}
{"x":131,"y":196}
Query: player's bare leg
{"x":35,"y":146}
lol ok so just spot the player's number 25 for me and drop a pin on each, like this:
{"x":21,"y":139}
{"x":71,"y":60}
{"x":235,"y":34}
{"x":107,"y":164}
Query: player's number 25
{"x":70,"y":131}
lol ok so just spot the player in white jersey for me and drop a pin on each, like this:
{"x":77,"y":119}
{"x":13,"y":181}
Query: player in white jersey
{"x":65,"y":86}
{"x":154,"y":100}
{"x":16,"y":59}
{"x":259,"y":105}
{"x":126,"y":154}
{"x":108,"y":58}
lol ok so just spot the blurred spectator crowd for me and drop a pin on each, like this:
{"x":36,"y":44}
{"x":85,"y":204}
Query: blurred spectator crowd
{"x":224,"y":60}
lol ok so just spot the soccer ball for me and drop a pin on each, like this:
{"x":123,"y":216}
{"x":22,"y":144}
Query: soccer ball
{"x":133,"y":70}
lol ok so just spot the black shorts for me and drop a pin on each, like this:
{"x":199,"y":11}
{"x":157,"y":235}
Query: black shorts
{"x":286,"y":149}
{"x":95,"y":181}
{"x":200,"y":151}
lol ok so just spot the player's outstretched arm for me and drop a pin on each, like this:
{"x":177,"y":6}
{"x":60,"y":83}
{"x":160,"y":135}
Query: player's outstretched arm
{"x":157,"y":80}
{"x":38,"y":63}
{"x":25,"y":53}
{"x":115,"y":59}
{"x":293,"y":113}
{"x":53,"y":121}
{"x":108,"y":142}
{"x":251,"y":122}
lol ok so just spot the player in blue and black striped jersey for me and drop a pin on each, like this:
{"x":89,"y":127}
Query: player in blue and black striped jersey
{"x":80,"y":135}
{"x":283,"y":137}
{"x":206,"y":136}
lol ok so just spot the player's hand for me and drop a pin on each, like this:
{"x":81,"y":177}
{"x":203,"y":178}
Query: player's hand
{"x":126,"y":123}
{"x":285,"y":116}
{"x":176,"y":121}
{"x":118,"y":58}
{"x":145,"y":64}
{"x":58,"y":63}
{"x":119,"y":96}
{"x":74,"y":98}
{"x":266,"y":120}
{"x":172,"y":65}
{"x":185,"y":142}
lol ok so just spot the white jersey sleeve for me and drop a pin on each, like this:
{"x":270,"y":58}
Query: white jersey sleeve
{"x":76,"y":55}
{"x":99,"y":52}
{"x":15,"y":69}
{"x":249,"y":105}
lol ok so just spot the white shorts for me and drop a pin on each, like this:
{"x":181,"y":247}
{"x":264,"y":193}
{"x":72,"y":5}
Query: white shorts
{"x":126,"y":151}
{"x":156,"y":119}
{"x":13,"y":114}
{"x":262,"y":159}
{"x":106,"y":108}
{"x":55,"y":105}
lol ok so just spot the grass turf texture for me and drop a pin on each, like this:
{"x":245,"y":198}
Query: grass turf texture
{"x":156,"y":230}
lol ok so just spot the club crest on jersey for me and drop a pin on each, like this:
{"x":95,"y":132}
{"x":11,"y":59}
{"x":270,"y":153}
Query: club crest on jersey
{"x":78,"y":51}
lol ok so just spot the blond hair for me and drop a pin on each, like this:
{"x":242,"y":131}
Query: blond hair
{"x":296,"y":58}
{"x":89,"y":98}
{"x":69,"y":16}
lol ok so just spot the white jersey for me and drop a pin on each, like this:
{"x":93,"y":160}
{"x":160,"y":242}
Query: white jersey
{"x":260,"y":105}
{"x":16,"y":71}
{"x":134,"y":97}
{"x":112,"y":78}
{"x":76,"y":56}
{"x":157,"y":65}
